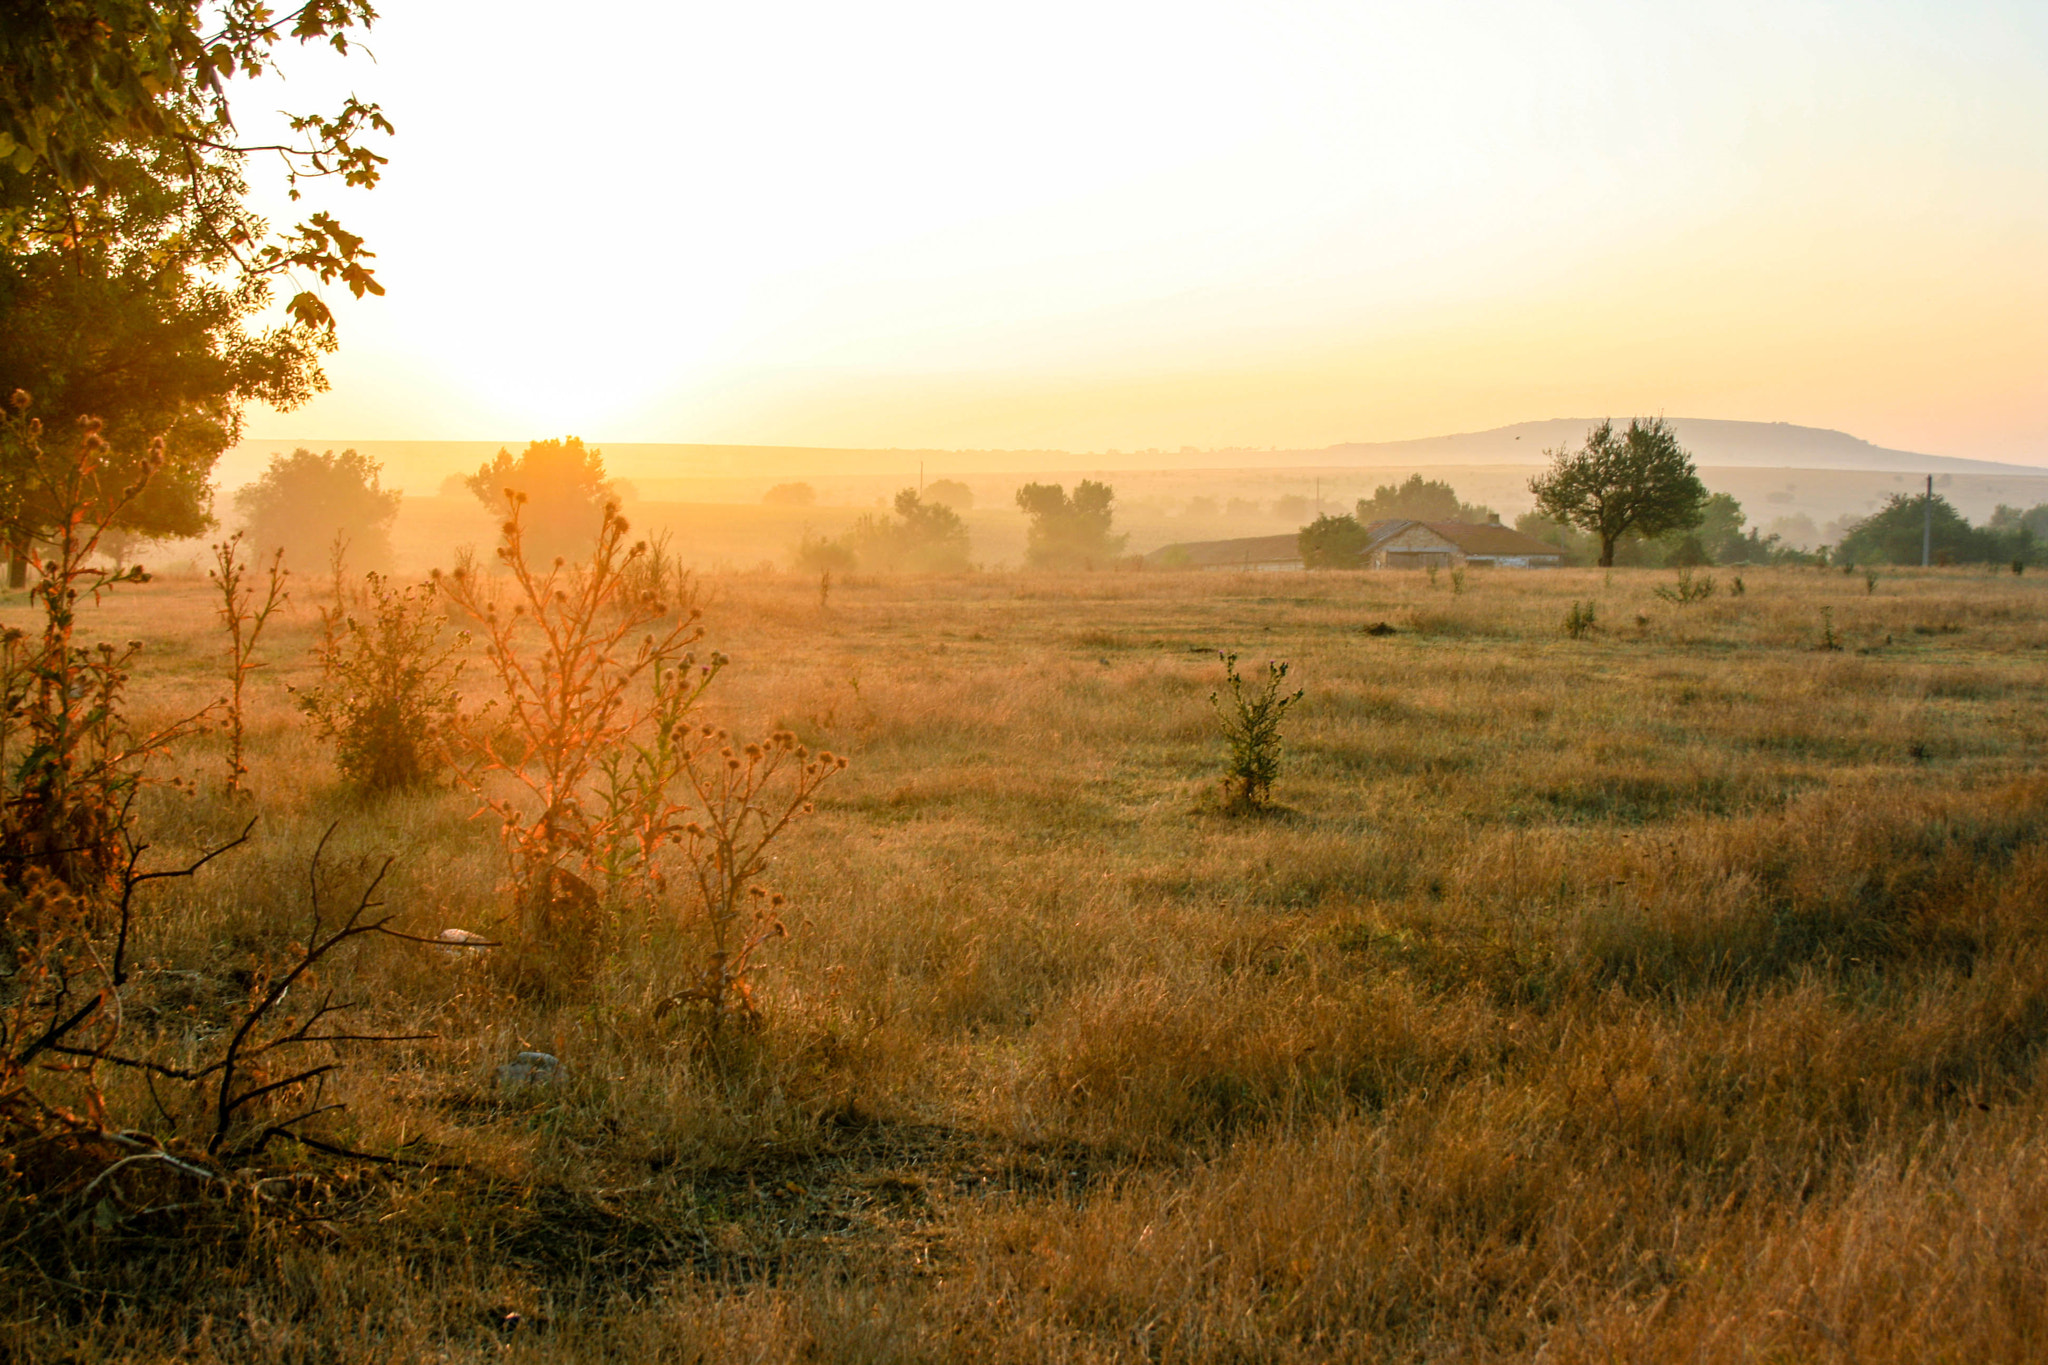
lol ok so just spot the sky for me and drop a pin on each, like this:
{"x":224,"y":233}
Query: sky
{"x":1127,"y":226}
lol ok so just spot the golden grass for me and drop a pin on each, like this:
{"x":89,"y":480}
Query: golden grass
{"x":1680,"y":992}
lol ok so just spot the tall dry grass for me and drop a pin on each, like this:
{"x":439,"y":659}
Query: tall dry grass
{"x":1676,"y":992}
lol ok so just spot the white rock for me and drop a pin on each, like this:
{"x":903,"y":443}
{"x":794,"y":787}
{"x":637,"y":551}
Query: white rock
{"x":460,"y":943}
{"x":531,"y":1068}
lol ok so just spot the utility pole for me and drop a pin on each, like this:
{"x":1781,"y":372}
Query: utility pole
{"x":1927,"y":525}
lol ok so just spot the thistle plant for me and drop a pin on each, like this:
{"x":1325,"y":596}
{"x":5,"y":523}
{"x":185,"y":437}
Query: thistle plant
{"x":1251,"y":727}
{"x":570,"y":660}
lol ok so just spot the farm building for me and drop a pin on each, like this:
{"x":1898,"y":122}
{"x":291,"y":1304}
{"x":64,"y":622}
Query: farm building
{"x":1396,"y":544}
{"x":1447,"y":544}
{"x":1250,"y":554}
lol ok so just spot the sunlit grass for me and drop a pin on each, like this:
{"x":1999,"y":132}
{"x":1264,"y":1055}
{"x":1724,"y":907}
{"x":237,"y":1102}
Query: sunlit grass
{"x":1677,"y":991}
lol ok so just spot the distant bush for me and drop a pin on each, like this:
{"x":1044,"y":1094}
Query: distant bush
{"x":1419,"y":499}
{"x":1894,"y":535}
{"x":303,"y":501}
{"x":1578,"y":620}
{"x":1070,"y":532}
{"x":950,"y":493}
{"x":923,"y":537}
{"x":817,"y":554}
{"x":790,"y":495}
{"x":1332,"y":543}
{"x":566,"y":489}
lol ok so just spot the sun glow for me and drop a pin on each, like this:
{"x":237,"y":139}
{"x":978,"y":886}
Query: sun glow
{"x":1152,"y":225}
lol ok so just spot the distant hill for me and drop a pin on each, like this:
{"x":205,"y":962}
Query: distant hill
{"x":418,"y":466}
{"x":1772,"y":445}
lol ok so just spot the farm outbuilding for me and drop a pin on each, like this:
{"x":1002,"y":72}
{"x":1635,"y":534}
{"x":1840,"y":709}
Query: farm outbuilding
{"x":1248,"y":554}
{"x":1448,"y":544}
{"x":1396,"y":544}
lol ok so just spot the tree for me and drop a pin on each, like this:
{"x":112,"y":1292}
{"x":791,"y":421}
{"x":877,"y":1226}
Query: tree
{"x":566,"y":491}
{"x":923,"y":537}
{"x":1892,"y":535}
{"x":1332,"y":543}
{"x":790,"y":495}
{"x":1639,"y":482}
{"x":1418,"y":499}
{"x":98,"y":100}
{"x":303,"y":501}
{"x":1576,"y":546}
{"x":951,"y":492}
{"x":132,"y":273}
{"x":1069,"y":532}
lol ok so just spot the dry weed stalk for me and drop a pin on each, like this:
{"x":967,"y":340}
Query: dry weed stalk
{"x":243,"y":616}
{"x":569,"y":659}
{"x":742,"y":797}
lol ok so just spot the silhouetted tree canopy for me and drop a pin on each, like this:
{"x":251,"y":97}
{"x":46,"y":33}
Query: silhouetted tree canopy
{"x":1419,"y":499}
{"x":1069,"y":532}
{"x":105,"y":101}
{"x":303,"y":501}
{"x":1640,"y":480}
{"x":566,"y":491}
{"x":132,"y":272}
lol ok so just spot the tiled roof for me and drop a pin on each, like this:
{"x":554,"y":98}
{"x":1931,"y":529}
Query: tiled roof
{"x":1474,"y":539}
{"x":1492,"y":539}
{"x":1209,"y":554}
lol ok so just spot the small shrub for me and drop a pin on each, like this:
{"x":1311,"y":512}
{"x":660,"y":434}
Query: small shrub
{"x":1578,"y":620}
{"x":1688,"y":589}
{"x":1458,"y":581}
{"x":386,"y":699}
{"x":1251,"y":727}
{"x":1869,"y":581}
{"x":1827,"y":630}
{"x":816,"y":554}
{"x":1736,"y":587}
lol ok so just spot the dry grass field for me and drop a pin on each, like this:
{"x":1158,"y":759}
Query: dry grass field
{"x":1675,"y":993}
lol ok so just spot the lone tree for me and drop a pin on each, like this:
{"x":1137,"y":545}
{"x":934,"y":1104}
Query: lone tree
{"x":1639,"y":481}
{"x":566,"y":491}
{"x":1069,"y":532}
{"x":304,"y":501}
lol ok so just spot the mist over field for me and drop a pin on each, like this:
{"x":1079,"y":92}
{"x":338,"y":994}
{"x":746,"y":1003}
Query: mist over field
{"x":1077,"y":683}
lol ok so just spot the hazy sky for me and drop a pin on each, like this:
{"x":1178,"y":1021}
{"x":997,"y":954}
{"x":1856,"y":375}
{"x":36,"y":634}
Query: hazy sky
{"x":1135,"y":225}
